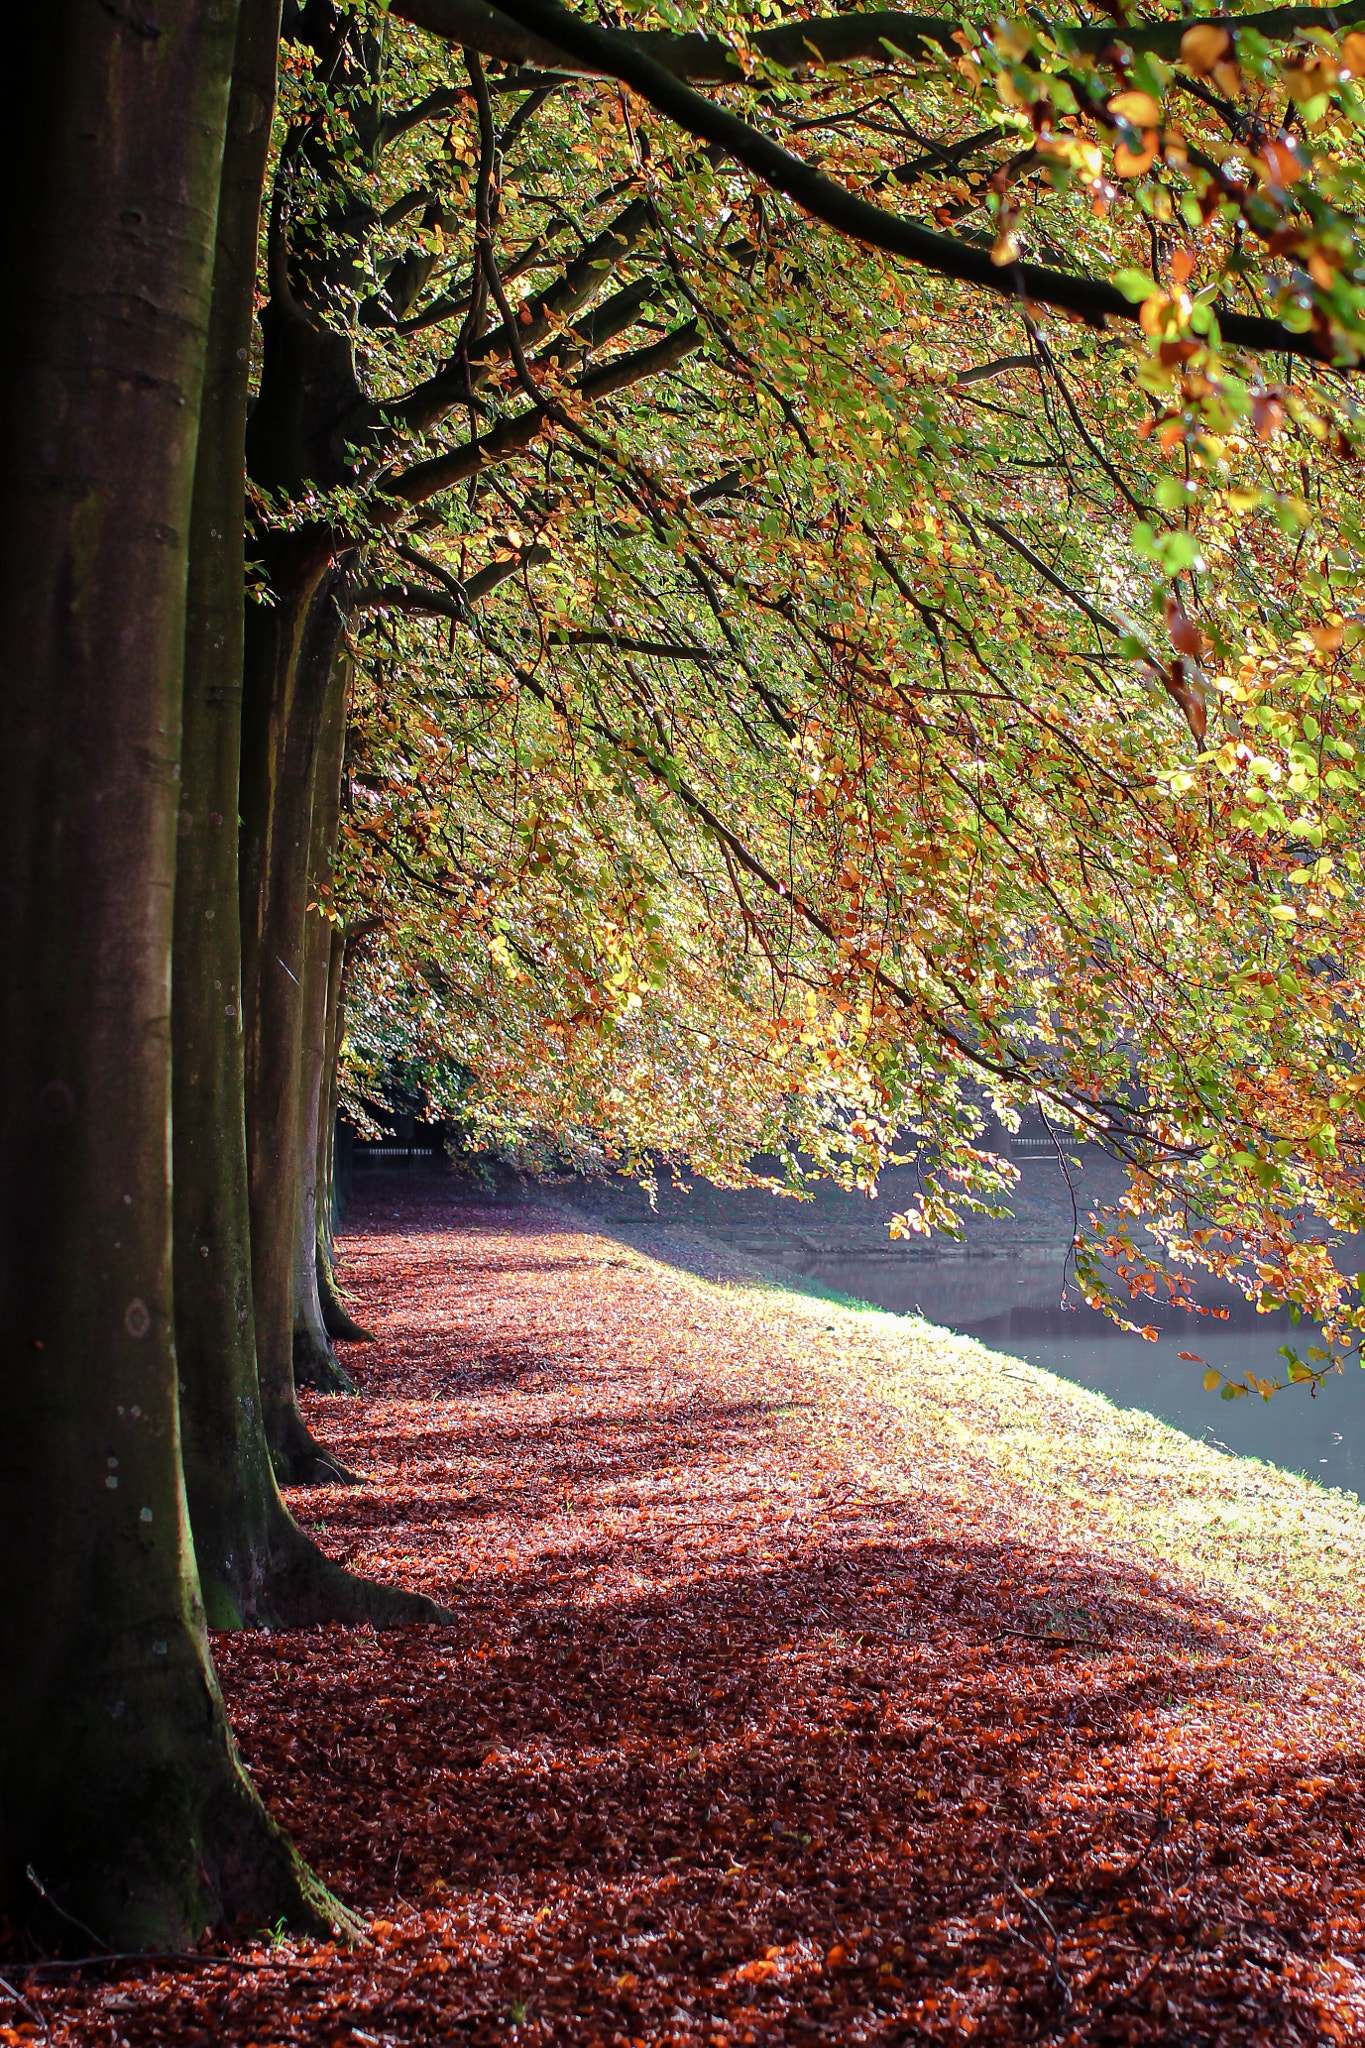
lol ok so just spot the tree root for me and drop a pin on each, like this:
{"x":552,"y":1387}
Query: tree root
{"x":145,"y":1840}
{"x":317,"y":1366}
{"x":335,"y":1318}
{"x":255,"y":1869}
{"x":298,"y":1459}
{"x":307,"y":1588}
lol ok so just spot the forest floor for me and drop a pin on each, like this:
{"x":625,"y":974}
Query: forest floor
{"x":819,"y":1677}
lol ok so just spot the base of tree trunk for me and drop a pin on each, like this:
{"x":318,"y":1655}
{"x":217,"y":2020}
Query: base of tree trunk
{"x":304,"y":1589}
{"x":317,"y":1366}
{"x":141,"y":1826}
{"x":299,"y":1459}
{"x":335,"y":1317}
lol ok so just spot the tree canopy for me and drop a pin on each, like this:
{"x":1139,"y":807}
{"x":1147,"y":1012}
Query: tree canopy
{"x":697,"y":718}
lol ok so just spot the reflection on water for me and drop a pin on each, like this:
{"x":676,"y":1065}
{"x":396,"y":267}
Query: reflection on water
{"x":1013,"y":1303}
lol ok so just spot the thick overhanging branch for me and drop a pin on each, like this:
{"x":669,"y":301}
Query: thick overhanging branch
{"x":429,"y":402}
{"x":642,"y":362}
{"x":452,"y":602}
{"x":510,"y":437}
{"x":628,"y":59}
{"x":885,"y":35}
{"x":621,"y":643}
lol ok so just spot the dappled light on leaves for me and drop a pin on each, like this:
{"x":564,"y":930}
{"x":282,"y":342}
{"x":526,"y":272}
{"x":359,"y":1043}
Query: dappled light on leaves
{"x":806,"y":697}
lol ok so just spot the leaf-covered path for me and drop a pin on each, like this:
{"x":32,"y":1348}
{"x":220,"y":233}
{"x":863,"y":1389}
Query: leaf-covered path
{"x":817,"y":1678}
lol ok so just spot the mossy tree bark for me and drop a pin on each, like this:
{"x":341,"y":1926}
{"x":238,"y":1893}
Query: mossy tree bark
{"x":119,"y":1781}
{"x":232,"y":1493}
{"x":308,"y":389}
{"x":255,"y":1563}
{"x":335,"y":1143}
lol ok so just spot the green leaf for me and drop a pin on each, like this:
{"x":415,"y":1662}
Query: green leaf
{"x":1136,"y":285}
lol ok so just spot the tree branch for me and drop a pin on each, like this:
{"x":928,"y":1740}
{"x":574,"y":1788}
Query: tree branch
{"x":642,"y":362}
{"x":514,"y":434}
{"x":888,"y":35}
{"x":1092,"y":299}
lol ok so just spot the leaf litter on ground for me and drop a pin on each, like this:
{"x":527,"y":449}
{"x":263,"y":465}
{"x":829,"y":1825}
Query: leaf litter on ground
{"x":819,"y":1675}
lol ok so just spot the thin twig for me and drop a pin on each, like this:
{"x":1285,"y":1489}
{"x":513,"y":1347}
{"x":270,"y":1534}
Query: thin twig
{"x":1032,"y":1635}
{"x":181,"y":1958}
{"x":24,"y":2006}
{"x":44,"y":1894}
{"x":1033,"y":1906}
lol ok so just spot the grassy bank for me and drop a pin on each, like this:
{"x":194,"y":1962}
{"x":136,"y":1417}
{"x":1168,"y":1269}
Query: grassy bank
{"x":915,"y":1410}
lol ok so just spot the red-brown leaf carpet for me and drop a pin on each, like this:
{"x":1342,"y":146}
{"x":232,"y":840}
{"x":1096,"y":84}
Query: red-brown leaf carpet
{"x":733,"y":1742}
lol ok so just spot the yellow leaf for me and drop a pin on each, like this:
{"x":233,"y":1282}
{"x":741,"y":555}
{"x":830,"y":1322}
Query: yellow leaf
{"x":1153,"y":311}
{"x":1211,"y":1379}
{"x":1138,"y":107}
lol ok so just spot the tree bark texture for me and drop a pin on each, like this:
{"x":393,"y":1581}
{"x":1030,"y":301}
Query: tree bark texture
{"x":232,"y":1492}
{"x":119,"y":1781}
{"x":336,"y":1317}
{"x":290,"y":646}
{"x":315,"y":1363}
{"x":255,"y":1564}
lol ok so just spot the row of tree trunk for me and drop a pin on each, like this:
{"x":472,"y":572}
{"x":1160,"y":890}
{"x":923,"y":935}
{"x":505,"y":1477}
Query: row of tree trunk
{"x":170,"y":1021}
{"x":170,"y":1017}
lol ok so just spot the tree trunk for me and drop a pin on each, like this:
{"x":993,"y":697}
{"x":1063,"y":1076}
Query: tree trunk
{"x":343,"y":1166}
{"x":119,"y":1781}
{"x":327,"y":1112}
{"x":337,"y":1320}
{"x":290,"y":647}
{"x":255,"y":1563}
{"x":315,"y":1363}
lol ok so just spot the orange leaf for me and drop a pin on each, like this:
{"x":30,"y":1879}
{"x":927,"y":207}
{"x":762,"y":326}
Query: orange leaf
{"x":1267,"y":414}
{"x":1203,"y":46}
{"x":1131,"y":163}
{"x":1282,"y":163}
{"x":1186,"y":637}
